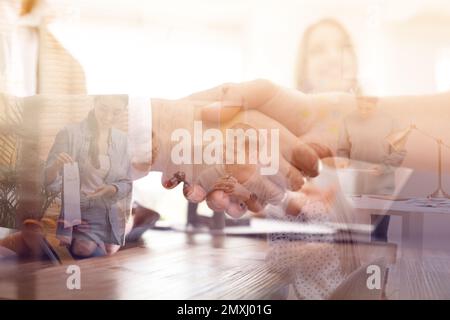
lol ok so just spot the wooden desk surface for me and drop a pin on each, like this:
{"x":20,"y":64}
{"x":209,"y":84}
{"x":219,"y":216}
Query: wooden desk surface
{"x":168,"y":265}
{"x":171,"y":265}
{"x":420,"y":278}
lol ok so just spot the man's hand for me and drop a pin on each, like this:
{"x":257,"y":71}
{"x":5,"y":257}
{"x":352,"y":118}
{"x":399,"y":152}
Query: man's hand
{"x":221,"y":108}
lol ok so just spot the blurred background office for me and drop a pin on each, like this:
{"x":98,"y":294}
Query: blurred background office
{"x":170,"y":49}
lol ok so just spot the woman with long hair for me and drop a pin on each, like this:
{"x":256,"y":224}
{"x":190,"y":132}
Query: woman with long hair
{"x":101,"y":152}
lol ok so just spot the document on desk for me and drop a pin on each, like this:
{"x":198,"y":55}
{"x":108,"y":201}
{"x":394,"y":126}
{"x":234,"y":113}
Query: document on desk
{"x":421,"y":205}
{"x":430,"y":202}
{"x":71,"y":195}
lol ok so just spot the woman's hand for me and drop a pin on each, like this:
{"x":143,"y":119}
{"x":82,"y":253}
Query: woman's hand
{"x":226,"y":184}
{"x":106,"y":191}
{"x":52,"y":172}
{"x":230,"y":185}
{"x":62,"y":159}
{"x":310,"y":193}
{"x":315,"y":193}
{"x":218,"y":108}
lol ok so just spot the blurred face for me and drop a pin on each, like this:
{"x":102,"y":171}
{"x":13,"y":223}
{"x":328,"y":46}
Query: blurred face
{"x":108,"y":110}
{"x":330,"y":62}
{"x":366,"y":107}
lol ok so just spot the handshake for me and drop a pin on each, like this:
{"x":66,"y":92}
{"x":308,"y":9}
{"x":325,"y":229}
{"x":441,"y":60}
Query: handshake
{"x":238,"y":146}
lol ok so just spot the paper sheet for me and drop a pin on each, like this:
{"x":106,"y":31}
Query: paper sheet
{"x":71,"y":195}
{"x":430,"y":202}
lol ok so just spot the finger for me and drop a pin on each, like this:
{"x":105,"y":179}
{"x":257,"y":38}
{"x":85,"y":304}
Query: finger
{"x":223,"y":185}
{"x":236,"y":210}
{"x":305,"y":158}
{"x":224,"y":189}
{"x":254,"y":206}
{"x":321,"y":150}
{"x":170,"y":181}
{"x":299,"y":154}
{"x":100,"y":189}
{"x":227,"y":191}
{"x":194,"y":193}
{"x":65,"y":158}
{"x":265,"y":190}
{"x":288,"y":176}
{"x":242,"y":192}
{"x":272,"y":193}
{"x":63,"y":155}
{"x":295,"y":205}
{"x":69,"y":158}
{"x":218,"y":200}
{"x":60,"y":158}
{"x":312,"y":191}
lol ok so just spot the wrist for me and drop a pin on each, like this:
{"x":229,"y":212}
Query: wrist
{"x":52,"y":172}
{"x":112,"y":190}
{"x":168,"y":116}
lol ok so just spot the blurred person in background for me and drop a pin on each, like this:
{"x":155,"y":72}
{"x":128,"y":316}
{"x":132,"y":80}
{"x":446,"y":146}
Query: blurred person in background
{"x":328,"y":63}
{"x":101,"y":152}
{"x":363,"y":138}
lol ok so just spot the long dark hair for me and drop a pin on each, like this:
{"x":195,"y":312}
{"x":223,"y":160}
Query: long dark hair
{"x":93,"y":143}
{"x":93,"y":129}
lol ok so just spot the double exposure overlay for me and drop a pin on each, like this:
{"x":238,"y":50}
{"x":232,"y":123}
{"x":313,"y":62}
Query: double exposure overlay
{"x":238,"y":150}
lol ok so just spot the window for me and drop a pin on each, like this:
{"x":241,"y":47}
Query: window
{"x":442,"y":70}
